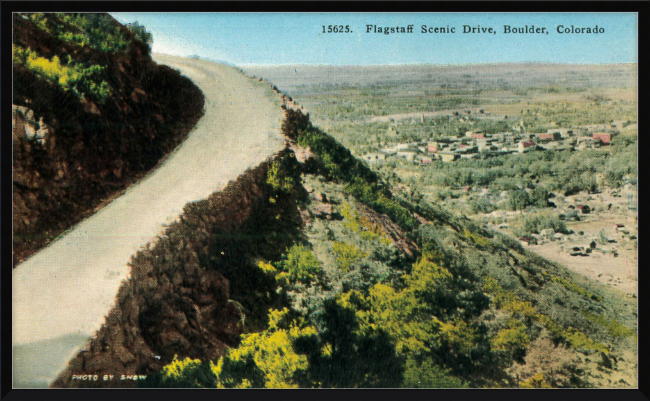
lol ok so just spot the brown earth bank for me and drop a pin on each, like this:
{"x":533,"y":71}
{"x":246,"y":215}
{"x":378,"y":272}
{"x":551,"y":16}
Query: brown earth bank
{"x":195,"y":290}
{"x":88,"y":151}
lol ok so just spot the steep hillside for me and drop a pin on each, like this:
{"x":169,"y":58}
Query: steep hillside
{"x":92,"y":113}
{"x":334,"y":281}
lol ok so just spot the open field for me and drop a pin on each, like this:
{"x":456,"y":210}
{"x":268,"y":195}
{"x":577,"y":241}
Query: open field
{"x":359,"y":93}
{"x":297,"y":77}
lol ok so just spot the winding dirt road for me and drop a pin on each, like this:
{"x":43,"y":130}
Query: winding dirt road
{"x":62,"y":293}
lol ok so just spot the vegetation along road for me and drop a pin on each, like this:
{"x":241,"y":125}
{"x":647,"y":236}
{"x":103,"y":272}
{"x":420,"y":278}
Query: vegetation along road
{"x":62,"y":293}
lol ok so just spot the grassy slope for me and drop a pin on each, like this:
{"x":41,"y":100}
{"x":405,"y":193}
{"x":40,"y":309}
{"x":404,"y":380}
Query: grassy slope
{"x":586,"y":317}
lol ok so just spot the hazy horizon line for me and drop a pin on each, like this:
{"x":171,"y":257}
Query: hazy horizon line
{"x":426,"y":64}
{"x":394,"y":64}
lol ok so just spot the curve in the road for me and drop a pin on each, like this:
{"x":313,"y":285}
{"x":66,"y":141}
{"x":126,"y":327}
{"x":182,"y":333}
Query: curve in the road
{"x":62,"y":293}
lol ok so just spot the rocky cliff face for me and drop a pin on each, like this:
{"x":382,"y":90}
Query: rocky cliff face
{"x":71,"y":151}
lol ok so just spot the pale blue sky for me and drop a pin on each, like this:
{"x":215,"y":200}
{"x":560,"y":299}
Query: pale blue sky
{"x":297,"y":38}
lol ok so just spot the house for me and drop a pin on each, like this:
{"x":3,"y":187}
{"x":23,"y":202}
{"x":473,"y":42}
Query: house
{"x":547,"y":137}
{"x":473,"y":134}
{"x":477,"y":135}
{"x":602,"y":137}
{"x":425,"y":160}
{"x":617,"y":226}
{"x":583,"y":208}
{"x":553,"y":135}
{"x":432,"y":147}
{"x":525,"y":146}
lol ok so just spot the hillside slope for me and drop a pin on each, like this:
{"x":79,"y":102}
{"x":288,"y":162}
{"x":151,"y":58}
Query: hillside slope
{"x":92,"y":114}
{"x":337,"y":282}
{"x":62,"y":293}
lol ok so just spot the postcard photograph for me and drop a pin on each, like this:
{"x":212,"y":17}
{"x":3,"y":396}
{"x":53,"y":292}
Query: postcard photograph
{"x":324,"y":200}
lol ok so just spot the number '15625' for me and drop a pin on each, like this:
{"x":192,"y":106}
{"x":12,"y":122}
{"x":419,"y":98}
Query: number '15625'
{"x":336,"y":29}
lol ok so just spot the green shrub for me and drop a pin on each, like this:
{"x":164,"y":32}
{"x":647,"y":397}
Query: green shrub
{"x":578,"y":339}
{"x":428,"y":375}
{"x":349,"y":353}
{"x":518,"y":200}
{"x":186,"y":373}
{"x":536,"y":381}
{"x":508,"y":301}
{"x":482,"y":205}
{"x":538,"y":222}
{"x":300,"y":265}
{"x":478,"y":239}
{"x":96,"y":30}
{"x":614,"y":328}
{"x":277,"y":178}
{"x":459,"y":337}
{"x":573,"y":287}
{"x":347,"y":255}
{"x":512,"y":338}
{"x":373,"y":196}
{"x":272,"y":351}
{"x":265,"y":359}
{"x":368,"y":230}
{"x":70,"y":76}
{"x":140,"y":33}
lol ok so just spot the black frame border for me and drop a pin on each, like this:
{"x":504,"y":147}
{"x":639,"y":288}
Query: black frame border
{"x":9,"y":7}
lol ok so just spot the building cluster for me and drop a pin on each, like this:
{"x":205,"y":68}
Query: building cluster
{"x":477,"y":143}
